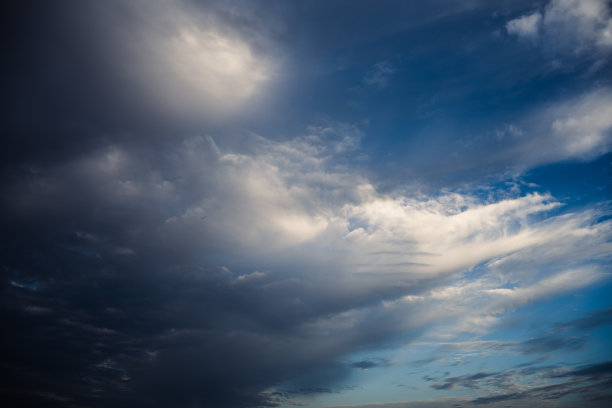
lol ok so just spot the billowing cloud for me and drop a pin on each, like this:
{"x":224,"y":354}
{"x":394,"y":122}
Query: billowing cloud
{"x":188,"y":62}
{"x":290,"y":250}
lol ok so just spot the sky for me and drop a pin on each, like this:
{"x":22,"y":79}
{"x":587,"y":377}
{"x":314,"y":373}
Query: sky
{"x":358,"y":204}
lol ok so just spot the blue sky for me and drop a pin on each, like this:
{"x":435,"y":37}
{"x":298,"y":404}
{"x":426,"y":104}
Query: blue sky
{"x":323,"y":204}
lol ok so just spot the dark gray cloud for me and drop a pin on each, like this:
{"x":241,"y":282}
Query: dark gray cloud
{"x":370,"y":363}
{"x":106,"y":305}
{"x":470,"y":381}
{"x":548,"y":344}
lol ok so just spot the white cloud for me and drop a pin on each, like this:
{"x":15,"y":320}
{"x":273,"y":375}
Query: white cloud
{"x":442,"y":235}
{"x":552,"y":285}
{"x":578,"y":128}
{"x":199,"y":65}
{"x":291,"y":196}
{"x":289,"y":200}
{"x":563,"y":254}
{"x":188,"y":62}
{"x":568,"y":27}
{"x":525,"y":26}
{"x":584,"y":128}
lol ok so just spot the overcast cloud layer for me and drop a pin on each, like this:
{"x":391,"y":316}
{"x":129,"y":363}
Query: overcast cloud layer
{"x":271,"y":204}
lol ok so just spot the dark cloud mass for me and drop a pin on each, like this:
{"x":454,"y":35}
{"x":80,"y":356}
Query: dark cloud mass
{"x":269,"y":203}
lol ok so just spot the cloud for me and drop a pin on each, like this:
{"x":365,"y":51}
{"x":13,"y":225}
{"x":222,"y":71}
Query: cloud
{"x":568,"y":27}
{"x":469,"y":381}
{"x":577,"y":128}
{"x":592,"y":382}
{"x":583,"y":129}
{"x":370,"y":363}
{"x":437,"y":403}
{"x":158,"y":254}
{"x":378,"y":76}
{"x":136,"y":73}
{"x":298,"y":251}
{"x":525,"y":26}
{"x":190,"y":62}
{"x":593,"y":320}
{"x":547,"y":344}
{"x":561,"y":336}
{"x":530,"y":386}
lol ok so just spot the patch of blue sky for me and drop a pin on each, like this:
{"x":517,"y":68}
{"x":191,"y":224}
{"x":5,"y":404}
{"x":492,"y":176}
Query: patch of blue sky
{"x":576,"y":183}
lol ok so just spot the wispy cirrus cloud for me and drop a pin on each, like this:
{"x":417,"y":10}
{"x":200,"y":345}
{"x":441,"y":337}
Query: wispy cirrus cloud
{"x":379,"y":75}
